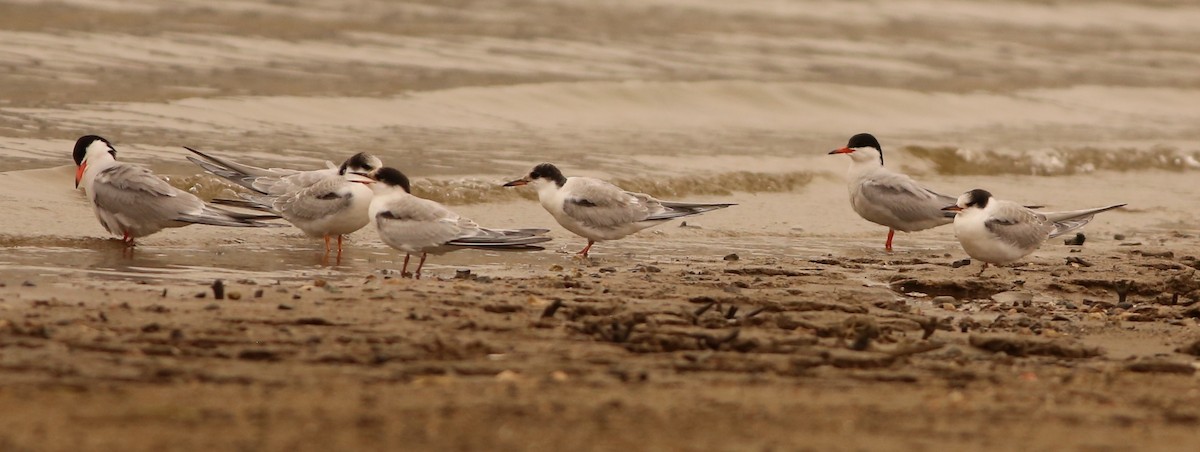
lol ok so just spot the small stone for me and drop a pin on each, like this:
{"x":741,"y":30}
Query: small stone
{"x":202,"y":295}
{"x":949,"y":306}
{"x":28,"y":284}
{"x":258,"y":293}
{"x":556,"y":268}
{"x":212,"y":307}
{"x":731,"y":257}
{"x":559,"y":376}
{"x":608,"y":270}
{"x":1012,"y":297}
{"x":508,"y":375}
{"x":296,"y":296}
{"x":320,"y":283}
{"x":234,"y":295}
{"x":462,"y":274}
{"x":1118,"y":236}
{"x":285,"y":307}
{"x":960,"y":263}
{"x":944,"y":300}
{"x":1077,"y":240}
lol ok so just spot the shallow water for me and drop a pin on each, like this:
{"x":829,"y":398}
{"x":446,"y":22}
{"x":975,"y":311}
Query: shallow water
{"x":1067,"y":104}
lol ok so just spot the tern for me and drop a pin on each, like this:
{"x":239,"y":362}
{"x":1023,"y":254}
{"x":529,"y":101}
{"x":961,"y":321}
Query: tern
{"x":889,"y":198}
{"x":999,"y":232}
{"x":132,"y":201}
{"x":416,"y":225}
{"x":327,"y":203}
{"x":598,"y":210}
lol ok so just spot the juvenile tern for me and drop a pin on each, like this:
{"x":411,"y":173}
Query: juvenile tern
{"x":889,"y":198}
{"x":323,"y":203}
{"x":131,"y":201}
{"x":415,"y":225}
{"x":598,"y":210}
{"x":999,"y":232}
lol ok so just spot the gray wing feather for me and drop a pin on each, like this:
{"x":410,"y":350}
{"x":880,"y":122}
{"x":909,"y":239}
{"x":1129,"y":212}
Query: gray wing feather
{"x":135,"y":193}
{"x":599,"y":204}
{"x":420,"y":223}
{"x":321,"y":199}
{"x":1019,"y":226}
{"x":905,"y":199}
{"x":1071,"y":220}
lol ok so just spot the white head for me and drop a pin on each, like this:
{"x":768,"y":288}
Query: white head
{"x":862,"y":148}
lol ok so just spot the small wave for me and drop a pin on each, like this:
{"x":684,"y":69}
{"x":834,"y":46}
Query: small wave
{"x":473,"y":191}
{"x":1054,"y":162}
{"x":476,"y":190}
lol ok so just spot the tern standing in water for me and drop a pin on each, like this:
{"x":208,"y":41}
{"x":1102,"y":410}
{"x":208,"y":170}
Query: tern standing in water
{"x":327,"y":203}
{"x":886,"y":197}
{"x":415,"y":225}
{"x":133,"y":202}
{"x":598,"y":210}
{"x":999,"y":232}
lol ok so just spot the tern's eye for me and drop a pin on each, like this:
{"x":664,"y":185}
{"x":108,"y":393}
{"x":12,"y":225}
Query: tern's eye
{"x":534,"y":175}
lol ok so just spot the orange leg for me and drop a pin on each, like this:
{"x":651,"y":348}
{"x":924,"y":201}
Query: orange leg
{"x":339,"y":244}
{"x":587,"y":248}
{"x":888,"y":245}
{"x":404,"y":271}
{"x":417,"y":275}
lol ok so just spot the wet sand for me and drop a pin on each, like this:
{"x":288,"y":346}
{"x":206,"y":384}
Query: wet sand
{"x":813,"y":339}
{"x":830,"y":352}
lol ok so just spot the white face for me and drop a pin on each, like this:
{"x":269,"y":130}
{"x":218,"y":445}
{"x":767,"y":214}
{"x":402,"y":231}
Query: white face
{"x":865,"y":154}
{"x":540,"y":182}
{"x":963,"y":199}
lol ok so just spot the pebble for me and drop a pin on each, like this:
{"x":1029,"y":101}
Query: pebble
{"x":1012,"y":297}
{"x":1077,"y":240}
{"x":960,"y":263}
{"x":29,"y":284}
{"x":212,"y":307}
{"x":234,"y":295}
{"x":731,"y":257}
{"x":258,"y":293}
{"x":285,"y":307}
{"x":1118,"y":236}
{"x":944,"y":300}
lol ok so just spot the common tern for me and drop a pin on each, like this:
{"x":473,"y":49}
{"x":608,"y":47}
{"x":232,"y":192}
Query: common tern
{"x":323,"y":203}
{"x":598,"y":210}
{"x":889,"y":198}
{"x":415,"y":225}
{"x":131,"y":201}
{"x":999,"y":232}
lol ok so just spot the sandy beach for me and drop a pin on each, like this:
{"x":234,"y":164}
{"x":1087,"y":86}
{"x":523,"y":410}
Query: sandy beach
{"x":776,"y":324}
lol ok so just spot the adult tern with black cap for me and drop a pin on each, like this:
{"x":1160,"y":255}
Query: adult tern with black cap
{"x":131,"y":201}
